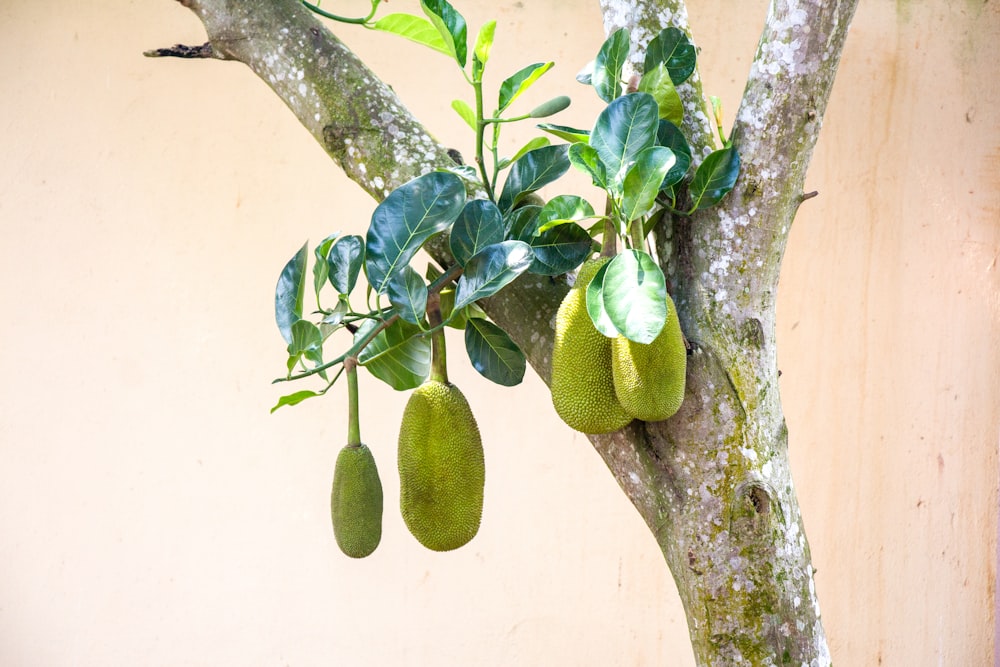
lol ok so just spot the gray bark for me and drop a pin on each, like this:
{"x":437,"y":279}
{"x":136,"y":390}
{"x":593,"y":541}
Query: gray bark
{"x":713,"y":483}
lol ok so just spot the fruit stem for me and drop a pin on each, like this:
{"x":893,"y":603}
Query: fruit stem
{"x":353,"y":418}
{"x":439,"y":356}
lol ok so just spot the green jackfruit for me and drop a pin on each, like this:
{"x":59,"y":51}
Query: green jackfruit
{"x":649,"y":378}
{"x":583,"y":391}
{"x":441,"y":467}
{"x":356,"y":502}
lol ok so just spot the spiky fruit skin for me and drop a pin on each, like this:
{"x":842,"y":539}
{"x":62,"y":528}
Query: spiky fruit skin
{"x":582,"y":386}
{"x":441,"y":468}
{"x":356,"y":502}
{"x":649,"y":378}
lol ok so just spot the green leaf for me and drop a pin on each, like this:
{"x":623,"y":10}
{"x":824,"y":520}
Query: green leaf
{"x":479,"y":225}
{"x":642,"y":182}
{"x":584,"y":157}
{"x":623,"y":130}
{"x":493,"y":354}
{"x":321,"y":271}
{"x":290,"y":292}
{"x":463,"y":109}
{"x":491,"y":269}
{"x":657,"y":83}
{"x":295,"y":399}
{"x":521,"y":223}
{"x":608,"y":65}
{"x":586,"y":75}
{"x":406,"y":218}
{"x":533,"y":170}
{"x":344,"y":261}
{"x":635,"y":296}
{"x":451,"y":26}
{"x":674,"y":50}
{"x":514,"y":85}
{"x":307,"y":341}
{"x":714,"y":178}
{"x":484,"y":42}
{"x":537,"y":142}
{"x":414,"y":28}
{"x":570,"y":134}
{"x":670,"y":136}
{"x":560,"y":249}
{"x":595,"y":304}
{"x":563,"y":209}
{"x":398,"y":355}
{"x":407,"y":293}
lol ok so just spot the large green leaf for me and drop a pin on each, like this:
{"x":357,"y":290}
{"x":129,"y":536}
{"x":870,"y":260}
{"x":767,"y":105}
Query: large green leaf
{"x":714,"y":178}
{"x":642,"y":182}
{"x":344,"y":261}
{"x":570,"y":134}
{"x":321,"y":271}
{"x":491,"y":269}
{"x":520,"y":81}
{"x":534,"y":170}
{"x":670,"y":136}
{"x":585,"y":158}
{"x":657,"y":83}
{"x":595,"y":304}
{"x":408,"y":295}
{"x":537,"y":142}
{"x":290,"y":292}
{"x":635,"y":296}
{"x":408,"y":217}
{"x":560,"y":249}
{"x":608,"y":65}
{"x":562,"y":209}
{"x":624,"y":129}
{"x":479,"y":225}
{"x":414,"y":28}
{"x":522,"y":223}
{"x":450,"y":25}
{"x":398,"y":355}
{"x":674,"y":50}
{"x":307,"y":342}
{"x":493,"y":353}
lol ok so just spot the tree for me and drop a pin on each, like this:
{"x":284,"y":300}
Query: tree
{"x":713,"y":483}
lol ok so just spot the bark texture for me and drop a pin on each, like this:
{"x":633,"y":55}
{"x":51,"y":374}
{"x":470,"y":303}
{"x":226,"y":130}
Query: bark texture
{"x":713,"y":483}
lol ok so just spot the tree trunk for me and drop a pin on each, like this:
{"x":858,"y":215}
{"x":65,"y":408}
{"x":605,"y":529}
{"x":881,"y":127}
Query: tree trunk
{"x":713,"y":483}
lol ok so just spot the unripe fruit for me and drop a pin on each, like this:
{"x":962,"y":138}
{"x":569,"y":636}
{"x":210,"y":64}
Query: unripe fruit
{"x":583,"y":391}
{"x":356,"y":502}
{"x":441,"y":467}
{"x":649,"y":379}
{"x":553,"y":106}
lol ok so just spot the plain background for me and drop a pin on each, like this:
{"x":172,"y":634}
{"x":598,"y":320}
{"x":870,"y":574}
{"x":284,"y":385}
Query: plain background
{"x":152,"y":511}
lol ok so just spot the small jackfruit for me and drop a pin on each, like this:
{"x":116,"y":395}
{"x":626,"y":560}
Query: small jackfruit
{"x":441,"y":468}
{"x":649,"y":378}
{"x":583,"y":391}
{"x":356,"y":502}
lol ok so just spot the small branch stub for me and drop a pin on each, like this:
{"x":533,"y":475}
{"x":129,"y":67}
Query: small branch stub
{"x":183,"y":51}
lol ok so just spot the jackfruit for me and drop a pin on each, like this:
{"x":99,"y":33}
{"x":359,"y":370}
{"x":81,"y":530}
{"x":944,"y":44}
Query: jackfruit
{"x":441,"y":467}
{"x":583,"y":391}
{"x":649,"y":378}
{"x":356,"y":502}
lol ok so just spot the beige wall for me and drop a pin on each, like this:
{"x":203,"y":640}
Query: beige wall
{"x":152,"y":512}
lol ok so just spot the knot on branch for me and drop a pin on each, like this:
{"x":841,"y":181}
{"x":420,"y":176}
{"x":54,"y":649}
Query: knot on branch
{"x":183,"y":51}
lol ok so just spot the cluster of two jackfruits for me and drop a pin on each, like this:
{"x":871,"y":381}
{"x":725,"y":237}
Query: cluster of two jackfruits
{"x":441,"y":477}
{"x":600,"y":384}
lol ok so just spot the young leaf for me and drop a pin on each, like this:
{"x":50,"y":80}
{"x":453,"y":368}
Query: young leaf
{"x":321,"y":271}
{"x":570,"y":134}
{"x":585,"y":158}
{"x":657,"y":83}
{"x":479,"y":225}
{"x":586,"y":75}
{"x":714,"y":178}
{"x":408,"y":295}
{"x":674,"y":50}
{"x":307,"y":341}
{"x":398,"y":355}
{"x":563,"y":209}
{"x":289,"y":293}
{"x":491,"y":269}
{"x":537,"y":142}
{"x":484,"y":42}
{"x":514,"y":85}
{"x":669,"y":136}
{"x":534,"y":170}
{"x":451,"y":25}
{"x":560,"y":249}
{"x":623,"y":130}
{"x":642,"y":182}
{"x":463,"y":109}
{"x":635,"y":296}
{"x":406,"y":218}
{"x":295,"y":399}
{"x":414,"y":28}
{"x":493,"y":354}
{"x":595,"y":304}
{"x":608,"y":65}
{"x":344,"y":262}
